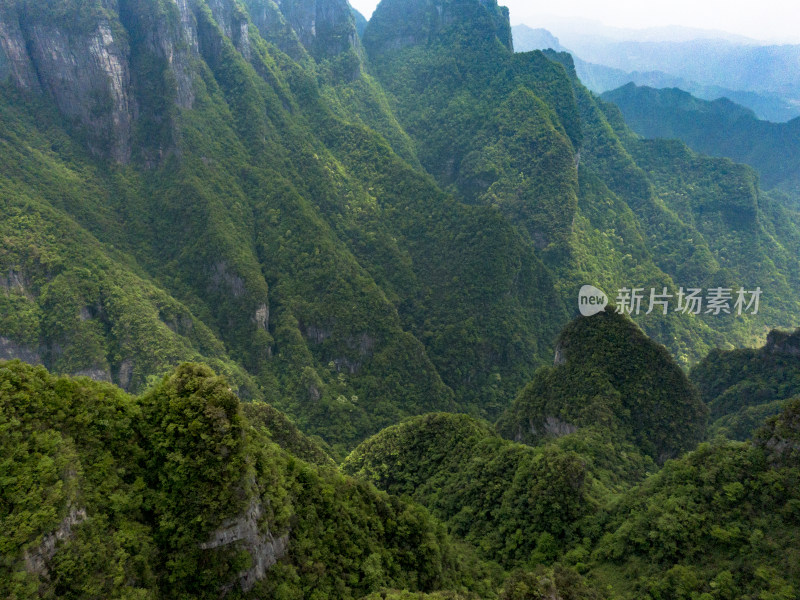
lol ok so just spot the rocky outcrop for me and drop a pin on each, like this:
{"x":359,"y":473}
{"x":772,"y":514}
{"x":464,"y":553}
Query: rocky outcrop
{"x":234,"y":24}
{"x":14,"y":60}
{"x":555,"y":427}
{"x":87,"y":68}
{"x":223,"y":281}
{"x":325,"y":27}
{"x":782,"y":342}
{"x":125,"y":373}
{"x":9,"y":350}
{"x":100,"y":71}
{"x":262,"y":317}
{"x":36,"y":559}
{"x":172,"y":41}
{"x":15,"y":282}
{"x":273,"y":26}
{"x":245,"y":531}
{"x":780,"y":436}
{"x":94,"y":373}
{"x":87,"y":75}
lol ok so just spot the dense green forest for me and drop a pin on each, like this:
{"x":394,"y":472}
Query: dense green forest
{"x":716,"y":128}
{"x":743,"y":387}
{"x":287,"y":310}
{"x":354,"y":233}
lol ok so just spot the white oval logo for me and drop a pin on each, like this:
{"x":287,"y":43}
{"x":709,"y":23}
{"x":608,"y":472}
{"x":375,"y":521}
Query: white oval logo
{"x":591,"y":300}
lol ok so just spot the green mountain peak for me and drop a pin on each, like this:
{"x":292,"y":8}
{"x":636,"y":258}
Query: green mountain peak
{"x":399,"y":24}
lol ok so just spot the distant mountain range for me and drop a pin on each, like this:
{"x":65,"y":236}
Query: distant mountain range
{"x":718,"y":128}
{"x":762,"y":78}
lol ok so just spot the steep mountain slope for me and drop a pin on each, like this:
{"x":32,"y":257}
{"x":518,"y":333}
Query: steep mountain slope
{"x":743,"y":387}
{"x":297,"y":260}
{"x":550,"y":165}
{"x":721,"y":522}
{"x":177,"y":494}
{"x":241,"y":183}
{"x":719,"y":128}
{"x":609,"y":375}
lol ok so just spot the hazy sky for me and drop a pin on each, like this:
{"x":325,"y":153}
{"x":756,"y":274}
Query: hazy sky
{"x":774,"y":20}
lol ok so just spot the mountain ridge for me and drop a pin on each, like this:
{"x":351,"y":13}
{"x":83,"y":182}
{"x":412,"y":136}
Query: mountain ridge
{"x":308,"y":233}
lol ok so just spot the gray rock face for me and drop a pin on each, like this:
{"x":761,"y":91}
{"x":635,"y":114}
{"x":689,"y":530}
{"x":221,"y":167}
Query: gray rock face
{"x":264,"y":549}
{"x":325,"y":27}
{"x":93,"y":70}
{"x":16,"y":282}
{"x":555,"y":427}
{"x":88,"y":77}
{"x":561,"y":356}
{"x":86,"y":70}
{"x":262,"y":317}
{"x":175,"y":46}
{"x":14,"y":59}
{"x":273,"y":26}
{"x":94,"y":373}
{"x":222,"y":280}
{"x":10,"y":350}
{"x":233,"y":23}
{"x":36,"y":559}
{"x":125,"y":373}
{"x":780,"y":436}
{"x":188,"y":24}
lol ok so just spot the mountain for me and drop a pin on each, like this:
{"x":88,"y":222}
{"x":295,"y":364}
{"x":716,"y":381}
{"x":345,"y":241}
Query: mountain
{"x":600,"y":78}
{"x":592,"y":427}
{"x":95,"y":501}
{"x":241,"y":242}
{"x":721,"y":521}
{"x":527,"y":39}
{"x":727,"y":62}
{"x":767,"y":106}
{"x":353,"y":233}
{"x":608,"y":374}
{"x":743,"y":387}
{"x":719,"y":128}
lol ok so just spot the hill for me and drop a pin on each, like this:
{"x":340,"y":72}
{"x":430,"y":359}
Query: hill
{"x":743,"y":387}
{"x":719,"y":128}
{"x":178,"y":493}
{"x":609,"y":375}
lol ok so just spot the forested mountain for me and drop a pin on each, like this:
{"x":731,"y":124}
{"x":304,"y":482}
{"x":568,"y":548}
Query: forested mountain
{"x":355,"y":232}
{"x":719,"y":128}
{"x":609,"y":375}
{"x":768,"y":101}
{"x":719,"y":522}
{"x":96,"y":482}
{"x":743,"y":387}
